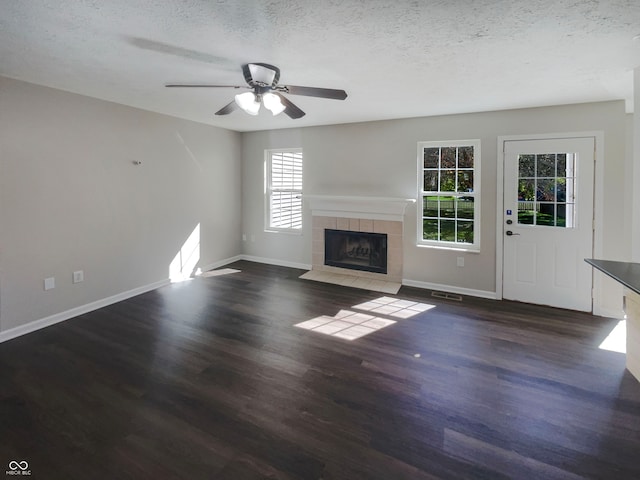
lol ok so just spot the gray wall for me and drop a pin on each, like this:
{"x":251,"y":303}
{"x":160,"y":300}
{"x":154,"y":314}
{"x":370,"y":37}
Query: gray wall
{"x":71,"y":198}
{"x":379,"y":159}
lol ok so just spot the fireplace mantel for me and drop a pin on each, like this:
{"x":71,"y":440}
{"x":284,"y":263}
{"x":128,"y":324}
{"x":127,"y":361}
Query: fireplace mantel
{"x":374,"y":208}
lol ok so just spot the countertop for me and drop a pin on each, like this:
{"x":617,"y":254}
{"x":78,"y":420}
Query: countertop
{"x":627,"y":273}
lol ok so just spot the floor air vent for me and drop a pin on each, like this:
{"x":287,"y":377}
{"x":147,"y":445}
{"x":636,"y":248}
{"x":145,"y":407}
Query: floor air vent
{"x":447,"y":296}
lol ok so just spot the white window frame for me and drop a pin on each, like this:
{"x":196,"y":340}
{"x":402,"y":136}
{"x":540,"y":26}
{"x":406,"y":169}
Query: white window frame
{"x":468,"y":247}
{"x":269,"y":190}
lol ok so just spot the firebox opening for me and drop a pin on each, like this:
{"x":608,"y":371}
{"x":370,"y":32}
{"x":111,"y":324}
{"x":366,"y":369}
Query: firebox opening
{"x":356,"y":250}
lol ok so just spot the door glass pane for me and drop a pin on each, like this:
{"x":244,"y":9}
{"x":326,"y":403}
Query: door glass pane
{"x":561,"y":219}
{"x":562,"y":164}
{"x":546,"y":189}
{"x":546,"y":165}
{"x":527,"y":166}
{"x":561,"y":189}
{"x":545,"y":214}
{"x":526,"y":216}
{"x":526,"y":190}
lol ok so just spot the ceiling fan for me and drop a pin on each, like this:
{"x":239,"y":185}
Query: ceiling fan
{"x":262,"y":79}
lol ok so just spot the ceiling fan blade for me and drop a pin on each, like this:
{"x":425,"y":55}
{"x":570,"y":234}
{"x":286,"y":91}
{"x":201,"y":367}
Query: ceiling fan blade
{"x":291,"y":110}
{"x":316,"y":92}
{"x":227,"y":109}
{"x":201,"y":85}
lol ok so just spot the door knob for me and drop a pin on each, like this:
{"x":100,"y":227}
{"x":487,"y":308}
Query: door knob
{"x":510,"y":233}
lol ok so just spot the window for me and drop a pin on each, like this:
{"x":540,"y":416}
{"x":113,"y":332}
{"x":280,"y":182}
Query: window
{"x":546,"y":189}
{"x":284,"y":190}
{"x":449,"y":186}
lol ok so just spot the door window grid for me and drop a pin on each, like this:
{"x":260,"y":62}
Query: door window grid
{"x":449,"y":194}
{"x":546,"y":189}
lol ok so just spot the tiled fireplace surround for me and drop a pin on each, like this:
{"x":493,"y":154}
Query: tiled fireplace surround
{"x":359,"y":214}
{"x":393,"y":229}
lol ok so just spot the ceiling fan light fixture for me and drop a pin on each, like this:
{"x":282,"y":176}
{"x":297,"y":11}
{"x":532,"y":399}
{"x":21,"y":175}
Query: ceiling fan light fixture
{"x":273,"y":104}
{"x":248,"y":102}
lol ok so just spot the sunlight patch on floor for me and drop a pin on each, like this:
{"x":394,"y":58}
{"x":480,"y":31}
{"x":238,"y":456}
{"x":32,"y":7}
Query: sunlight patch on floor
{"x":351,"y":325}
{"x":394,"y":307}
{"x":346,"y":324}
{"x":616,"y":341}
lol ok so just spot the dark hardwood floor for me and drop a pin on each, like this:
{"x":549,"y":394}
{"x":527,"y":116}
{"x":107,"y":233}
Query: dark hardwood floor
{"x":209,"y":379}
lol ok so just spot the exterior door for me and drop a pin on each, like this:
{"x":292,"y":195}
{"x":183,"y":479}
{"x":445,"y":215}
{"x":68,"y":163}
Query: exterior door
{"x":548,"y":221}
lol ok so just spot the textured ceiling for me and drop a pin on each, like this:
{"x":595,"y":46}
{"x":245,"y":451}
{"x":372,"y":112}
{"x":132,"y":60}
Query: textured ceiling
{"x":395,"y":59}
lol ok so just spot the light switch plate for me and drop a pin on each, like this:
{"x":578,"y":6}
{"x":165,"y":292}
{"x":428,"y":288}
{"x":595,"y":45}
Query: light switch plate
{"x":78,"y":276}
{"x":49,"y":283}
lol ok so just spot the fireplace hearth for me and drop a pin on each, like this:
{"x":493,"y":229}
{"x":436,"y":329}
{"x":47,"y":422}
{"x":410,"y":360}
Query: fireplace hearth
{"x":356,"y":250}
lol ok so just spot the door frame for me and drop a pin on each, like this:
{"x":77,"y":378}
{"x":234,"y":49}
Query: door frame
{"x":598,"y":136}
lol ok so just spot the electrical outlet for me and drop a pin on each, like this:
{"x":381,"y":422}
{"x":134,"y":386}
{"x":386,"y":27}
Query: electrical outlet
{"x":460,"y":261}
{"x":49,"y":283}
{"x":78,"y":276}
{"x":244,"y":237}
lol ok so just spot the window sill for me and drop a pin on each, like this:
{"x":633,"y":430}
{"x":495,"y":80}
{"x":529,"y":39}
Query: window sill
{"x":286,"y":232}
{"x":451,"y":248}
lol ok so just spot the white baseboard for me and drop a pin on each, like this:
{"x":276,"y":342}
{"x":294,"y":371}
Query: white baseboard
{"x":273,"y":261}
{"x":74,"y":312}
{"x":221,"y":263}
{"x":410,"y":283}
{"x":251,"y":258}
{"x":608,"y":312}
{"x":450,"y":289}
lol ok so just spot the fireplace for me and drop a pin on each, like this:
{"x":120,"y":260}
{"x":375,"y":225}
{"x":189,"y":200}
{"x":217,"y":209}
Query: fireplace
{"x":358,"y":215}
{"x":356,"y":250}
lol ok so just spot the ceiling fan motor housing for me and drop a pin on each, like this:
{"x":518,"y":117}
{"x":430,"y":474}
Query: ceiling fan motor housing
{"x":261,"y":74}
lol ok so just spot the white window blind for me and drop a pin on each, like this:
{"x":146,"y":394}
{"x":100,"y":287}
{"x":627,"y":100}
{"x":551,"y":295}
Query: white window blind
{"x":284,"y":190}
